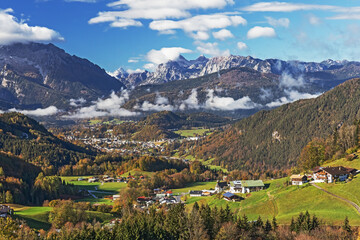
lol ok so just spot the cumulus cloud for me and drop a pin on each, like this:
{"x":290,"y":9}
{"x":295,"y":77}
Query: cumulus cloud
{"x":155,"y":9}
{"x":285,"y":7}
{"x":227,"y":103}
{"x":160,"y":104}
{"x":223,"y":34}
{"x":165,"y":54}
{"x":111,"y":106}
{"x":281,"y":22}
{"x":200,"y":35}
{"x":199,"y":23}
{"x":191,"y":102}
{"x":291,"y":96}
{"x":211,"y":49}
{"x":288,"y":81}
{"x":257,"y":32}
{"x":124,"y":23}
{"x":77,"y":102}
{"x":12,"y":30}
{"x":40,"y":112}
{"x":242,"y":45}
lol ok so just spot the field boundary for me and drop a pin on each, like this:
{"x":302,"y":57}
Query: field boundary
{"x":339,"y":197}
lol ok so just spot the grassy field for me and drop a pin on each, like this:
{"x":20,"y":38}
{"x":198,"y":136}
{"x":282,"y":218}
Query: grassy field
{"x":138,"y":172}
{"x":196,"y":186}
{"x":285,"y":202}
{"x":111,"y":187}
{"x":193,"y":132}
{"x":36,"y":217}
{"x":98,"y":121}
{"x":207,"y":163}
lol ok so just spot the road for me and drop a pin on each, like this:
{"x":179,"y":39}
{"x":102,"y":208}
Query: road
{"x":341,"y":198}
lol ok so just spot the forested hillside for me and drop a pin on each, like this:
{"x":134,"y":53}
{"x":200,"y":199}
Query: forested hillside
{"x":26,"y":138}
{"x":274,"y":139}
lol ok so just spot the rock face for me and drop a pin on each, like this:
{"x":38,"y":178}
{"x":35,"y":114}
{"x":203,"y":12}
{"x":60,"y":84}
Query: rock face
{"x":184,"y":69}
{"x":39,"y":75}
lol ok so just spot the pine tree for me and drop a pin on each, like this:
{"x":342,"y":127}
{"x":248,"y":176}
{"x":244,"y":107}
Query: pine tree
{"x":274,"y":224}
{"x":292,"y":225}
{"x":346,"y":227}
{"x":267,"y":227}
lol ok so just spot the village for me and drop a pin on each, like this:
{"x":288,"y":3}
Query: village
{"x":231,"y":191}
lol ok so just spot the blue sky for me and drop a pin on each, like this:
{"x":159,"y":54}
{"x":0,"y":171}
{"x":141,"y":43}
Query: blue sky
{"x":138,"y":34}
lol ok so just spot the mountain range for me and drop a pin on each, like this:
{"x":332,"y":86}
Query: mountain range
{"x":182,"y":68}
{"x":38,"y":75}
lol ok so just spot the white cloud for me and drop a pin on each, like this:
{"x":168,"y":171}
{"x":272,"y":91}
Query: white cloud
{"x":40,"y":112}
{"x":155,"y":9}
{"x":199,"y":23}
{"x":257,"y":32}
{"x":161,"y":104}
{"x":227,"y":103}
{"x":292,"y":96}
{"x":211,"y":49}
{"x":77,"y":102}
{"x":242,"y":45}
{"x":124,"y":23}
{"x":285,"y":7}
{"x":111,"y":106}
{"x":286,"y":80}
{"x":281,"y":22}
{"x":133,"y":61}
{"x":138,"y":70}
{"x":200,"y":35}
{"x":314,"y":20}
{"x":12,"y":30}
{"x":191,"y":102}
{"x":165,"y":54}
{"x":223,"y":34}
{"x":150,"y":66}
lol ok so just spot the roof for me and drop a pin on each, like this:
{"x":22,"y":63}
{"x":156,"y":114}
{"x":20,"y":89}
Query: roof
{"x":222,"y":184}
{"x":195,"y":192}
{"x":252,"y":183}
{"x":336,"y":170}
{"x":298,"y":176}
{"x":228,"y":194}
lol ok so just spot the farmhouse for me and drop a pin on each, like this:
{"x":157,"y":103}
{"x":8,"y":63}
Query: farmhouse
{"x":235,"y":187}
{"x":246,"y":186}
{"x":228,"y":196}
{"x":5,"y":211}
{"x":93,"y":179}
{"x":298,"y":179}
{"x":195,"y":193}
{"x":116,"y":197}
{"x":221,"y":186}
{"x":331,"y":174}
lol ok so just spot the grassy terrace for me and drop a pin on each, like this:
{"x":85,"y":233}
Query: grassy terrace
{"x":193,"y":132}
{"x":195,"y":186}
{"x":111,"y":187}
{"x":284,"y":202}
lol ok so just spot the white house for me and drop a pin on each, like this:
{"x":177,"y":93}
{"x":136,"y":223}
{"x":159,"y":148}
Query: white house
{"x":246,"y":186}
{"x":298,"y":179}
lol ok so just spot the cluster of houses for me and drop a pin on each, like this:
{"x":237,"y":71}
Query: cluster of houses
{"x":325,"y":175}
{"x":107,"y":178}
{"x":160,"y":197}
{"x":231,"y":189}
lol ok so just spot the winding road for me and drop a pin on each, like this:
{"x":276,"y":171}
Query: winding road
{"x":341,"y":198}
